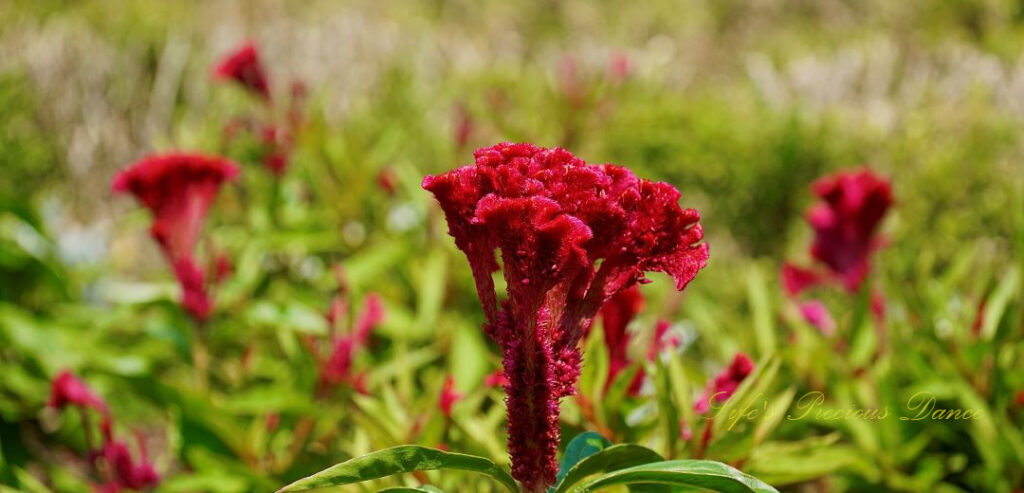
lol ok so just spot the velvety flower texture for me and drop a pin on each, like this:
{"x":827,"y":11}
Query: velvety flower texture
{"x":844,"y":221}
{"x":67,"y":389}
{"x":243,"y":66}
{"x":179,"y":188}
{"x":725,"y":384}
{"x":553,"y":217}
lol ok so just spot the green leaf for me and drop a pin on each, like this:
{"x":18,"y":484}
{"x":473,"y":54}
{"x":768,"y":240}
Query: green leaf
{"x":397,"y":460}
{"x":612,"y":458}
{"x":710,"y":475}
{"x":580,"y":447}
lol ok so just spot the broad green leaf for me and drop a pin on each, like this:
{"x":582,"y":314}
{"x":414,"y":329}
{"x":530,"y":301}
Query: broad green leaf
{"x":710,"y":475}
{"x":609,"y":459}
{"x":397,"y":460}
{"x":580,"y":447}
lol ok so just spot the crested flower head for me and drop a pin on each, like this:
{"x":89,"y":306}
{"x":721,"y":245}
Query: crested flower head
{"x":725,"y":384}
{"x":68,"y":389}
{"x":852,"y":205}
{"x":243,"y":66}
{"x":555,"y":218}
{"x":178,"y":188}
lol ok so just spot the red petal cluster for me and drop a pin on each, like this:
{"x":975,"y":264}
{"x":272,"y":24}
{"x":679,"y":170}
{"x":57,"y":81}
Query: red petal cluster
{"x":67,"y":389}
{"x":553,"y":217}
{"x":816,"y":313}
{"x":726,"y":383}
{"x":243,"y":66}
{"x":179,"y":188}
{"x":844,"y":222}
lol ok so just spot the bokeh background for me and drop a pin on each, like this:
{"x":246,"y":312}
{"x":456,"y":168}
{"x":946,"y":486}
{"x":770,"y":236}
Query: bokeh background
{"x":739,"y":104}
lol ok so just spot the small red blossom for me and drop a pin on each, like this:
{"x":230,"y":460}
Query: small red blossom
{"x":797,"y":279}
{"x":852,"y":205}
{"x":553,"y":217}
{"x":449,"y":396}
{"x":725,"y":384}
{"x":816,"y":313}
{"x":496,"y":378}
{"x":1019,"y":399}
{"x":126,"y":471}
{"x":387,"y":180}
{"x":179,"y":188}
{"x":277,"y":143}
{"x":337,"y":368}
{"x":223,"y":267}
{"x":67,"y":389}
{"x":243,"y":66}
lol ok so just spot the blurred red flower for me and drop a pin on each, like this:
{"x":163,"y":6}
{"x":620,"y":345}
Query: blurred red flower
{"x":243,"y":66}
{"x":449,"y":396}
{"x":617,"y":313}
{"x":178,"y":188}
{"x":67,"y":389}
{"x":816,"y":313}
{"x":852,"y":205}
{"x":125,"y":471}
{"x":725,"y":384}
{"x":553,"y":217}
{"x":337,"y":368}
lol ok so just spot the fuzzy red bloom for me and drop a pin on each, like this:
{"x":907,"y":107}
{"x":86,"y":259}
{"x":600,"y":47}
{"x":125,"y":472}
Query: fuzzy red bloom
{"x":126,"y":472}
{"x":463,"y":126}
{"x":387,"y":181}
{"x":816,"y":313}
{"x":243,"y":66}
{"x":553,"y":217}
{"x":725,"y":384}
{"x":179,"y":188}
{"x":449,"y":396}
{"x":68,"y":389}
{"x":852,"y":205}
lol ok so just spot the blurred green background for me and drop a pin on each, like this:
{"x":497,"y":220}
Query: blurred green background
{"x":741,"y":105}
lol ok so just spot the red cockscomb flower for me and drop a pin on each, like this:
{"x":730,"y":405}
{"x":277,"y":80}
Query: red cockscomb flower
{"x":243,"y":66}
{"x":179,"y":188}
{"x":553,"y":217}
{"x":725,"y":384}
{"x":852,"y":205}
{"x":449,"y":396}
{"x":67,"y":389}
